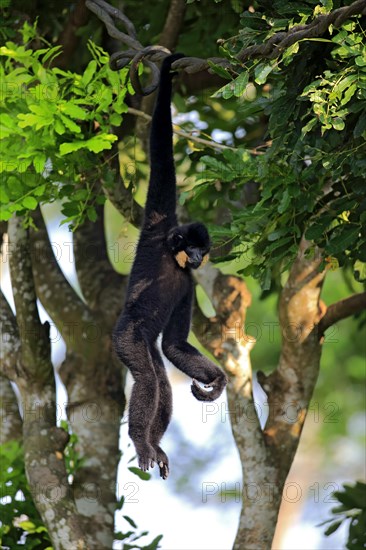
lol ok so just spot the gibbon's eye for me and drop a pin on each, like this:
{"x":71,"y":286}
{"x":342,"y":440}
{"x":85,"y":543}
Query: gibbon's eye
{"x":177,"y":239}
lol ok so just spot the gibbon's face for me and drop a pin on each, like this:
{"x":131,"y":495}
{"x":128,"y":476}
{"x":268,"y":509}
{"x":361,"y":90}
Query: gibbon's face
{"x":190,"y":245}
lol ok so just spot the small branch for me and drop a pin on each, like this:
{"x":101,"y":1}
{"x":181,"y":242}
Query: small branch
{"x":342,"y":309}
{"x":190,"y":136}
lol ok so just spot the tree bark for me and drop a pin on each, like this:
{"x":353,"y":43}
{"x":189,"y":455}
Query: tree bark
{"x":92,"y":375}
{"x":289,"y":389}
{"x":11,"y":422}
{"x":43,"y":442}
{"x":266,"y":455}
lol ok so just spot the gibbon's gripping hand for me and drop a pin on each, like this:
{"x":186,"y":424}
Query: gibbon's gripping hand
{"x":165,"y":73}
{"x":217,"y":385}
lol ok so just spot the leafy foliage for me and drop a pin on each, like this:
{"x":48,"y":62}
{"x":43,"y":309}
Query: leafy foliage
{"x":352,"y":509}
{"x":54,"y":125}
{"x":21,"y":525}
{"x":311,"y":177}
{"x":73,"y":460}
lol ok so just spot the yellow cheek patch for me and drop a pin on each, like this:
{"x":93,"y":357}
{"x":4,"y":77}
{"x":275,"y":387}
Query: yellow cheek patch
{"x":205,"y":259}
{"x":181,"y":258}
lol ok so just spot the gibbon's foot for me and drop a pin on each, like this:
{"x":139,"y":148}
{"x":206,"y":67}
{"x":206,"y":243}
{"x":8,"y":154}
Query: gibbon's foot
{"x":146,"y":456}
{"x":163,"y":463}
{"x":216,"y":386}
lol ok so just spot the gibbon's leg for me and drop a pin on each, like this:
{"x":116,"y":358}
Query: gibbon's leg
{"x":133,"y":350}
{"x":189,"y":360}
{"x":163,"y":413}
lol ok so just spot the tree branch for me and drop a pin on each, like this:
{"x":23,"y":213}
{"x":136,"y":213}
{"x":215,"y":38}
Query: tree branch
{"x":153,"y":54}
{"x":342,"y":309}
{"x":11,"y":422}
{"x":189,"y":136}
{"x":35,"y":349}
{"x":103,"y":288}
{"x":292,"y":384}
{"x":10,"y":343}
{"x":173,"y":24}
{"x":69,"y":38}
{"x":71,"y":316}
{"x":282,"y":40}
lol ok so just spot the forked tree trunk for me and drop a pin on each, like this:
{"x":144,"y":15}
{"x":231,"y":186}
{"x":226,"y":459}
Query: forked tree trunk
{"x":266,"y":455}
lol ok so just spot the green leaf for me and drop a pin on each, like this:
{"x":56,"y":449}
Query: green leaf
{"x":341,"y":242}
{"x":218,"y":69}
{"x":130,"y":521}
{"x":332,"y":528}
{"x":4,"y":197}
{"x":89,"y":72}
{"x":95,"y":144}
{"x":284,"y":202}
{"x":278,"y":233}
{"x":31,"y":119}
{"x":261,"y":72}
{"x":92,"y":214}
{"x":361,"y":60}
{"x":360,"y":271}
{"x":220,"y":169}
{"x":5,"y":214}
{"x":153,"y":544}
{"x":70,"y":124}
{"x":30,"y":203}
{"x":338,"y":124}
{"x":73,"y":111}
{"x":139,"y":473}
{"x":266,"y":279}
{"x":360,"y":127}
{"x":354,"y":495}
{"x":240,"y":84}
{"x":39,"y":190}
{"x":315,"y":231}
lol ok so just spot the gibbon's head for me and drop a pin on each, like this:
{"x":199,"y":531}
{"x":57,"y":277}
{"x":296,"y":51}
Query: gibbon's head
{"x":190,"y":244}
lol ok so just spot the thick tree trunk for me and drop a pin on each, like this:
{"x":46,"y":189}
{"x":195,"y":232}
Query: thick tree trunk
{"x":92,"y":375}
{"x":43,"y":442}
{"x":266,"y":455}
{"x":289,"y":389}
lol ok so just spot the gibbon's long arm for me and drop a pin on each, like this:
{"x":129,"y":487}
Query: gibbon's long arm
{"x":161,"y":196}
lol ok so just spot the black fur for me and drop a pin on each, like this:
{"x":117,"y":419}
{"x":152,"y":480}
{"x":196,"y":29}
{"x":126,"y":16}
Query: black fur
{"x":159,"y":298}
